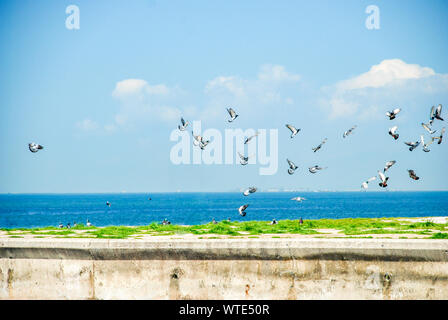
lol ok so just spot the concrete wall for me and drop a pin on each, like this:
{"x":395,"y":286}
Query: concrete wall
{"x":224,"y":269}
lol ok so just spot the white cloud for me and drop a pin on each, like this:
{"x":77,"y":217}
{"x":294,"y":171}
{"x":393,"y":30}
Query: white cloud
{"x":387,"y":72}
{"x":268,"y":88}
{"x":129,"y":87}
{"x":370,"y":92}
{"x":276,"y":73}
{"x":87,"y":125}
{"x":143,"y":102}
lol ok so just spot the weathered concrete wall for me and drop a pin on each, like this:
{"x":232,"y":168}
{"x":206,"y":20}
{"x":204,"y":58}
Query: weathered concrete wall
{"x":224,"y":269}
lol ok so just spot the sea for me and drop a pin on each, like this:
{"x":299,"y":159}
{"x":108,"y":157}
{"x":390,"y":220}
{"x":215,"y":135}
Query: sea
{"x":43,"y":210}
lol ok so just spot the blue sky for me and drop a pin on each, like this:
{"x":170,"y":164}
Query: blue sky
{"x":104,"y":99}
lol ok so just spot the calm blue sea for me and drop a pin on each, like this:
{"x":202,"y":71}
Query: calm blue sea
{"x":41,"y":210}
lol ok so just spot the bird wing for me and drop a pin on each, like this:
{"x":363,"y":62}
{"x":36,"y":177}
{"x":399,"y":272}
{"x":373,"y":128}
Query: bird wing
{"x":439,"y":110}
{"x":382,"y":176}
{"x":182,"y":121}
{"x":371,"y":179}
{"x":432,"y":113}
{"x":396,"y":111}
{"x":290,"y":127}
{"x":291,"y":164}
{"x":393,"y":129}
{"x":231,"y":112}
{"x":390,"y":163}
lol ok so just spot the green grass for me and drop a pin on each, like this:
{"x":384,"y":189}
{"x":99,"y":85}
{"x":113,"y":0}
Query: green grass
{"x":361,"y":227}
{"x":440,"y":235}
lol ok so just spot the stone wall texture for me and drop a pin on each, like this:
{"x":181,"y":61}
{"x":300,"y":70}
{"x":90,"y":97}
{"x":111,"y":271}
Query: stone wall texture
{"x":223,"y":269}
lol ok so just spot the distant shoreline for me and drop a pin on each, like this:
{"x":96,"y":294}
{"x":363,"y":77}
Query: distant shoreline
{"x":207,"y":192}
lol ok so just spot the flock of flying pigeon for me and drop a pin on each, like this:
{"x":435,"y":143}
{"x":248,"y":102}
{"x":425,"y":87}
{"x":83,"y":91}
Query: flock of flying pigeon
{"x":435,"y":114}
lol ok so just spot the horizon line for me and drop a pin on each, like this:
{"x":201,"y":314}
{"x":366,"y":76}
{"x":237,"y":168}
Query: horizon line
{"x":261,"y":191}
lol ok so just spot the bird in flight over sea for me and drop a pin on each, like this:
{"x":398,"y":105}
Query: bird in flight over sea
{"x":425,"y":145}
{"x":315,"y":169}
{"x":383,"y":178}
{"x":349,"y":131}
{"x":424,"y":125}
{"x":244,"y":160}
{"x":320,"y":146}
{"x":250,"y":138}
{"x":292,"y":166}
{"x":108,"y":204}
{"x":412,"y":145}
{"x":293,"y":129}
{"x":388,"y":165}
{"x":298,"y":199}
{"x":249,"y":191}
{"x":183,"y":125}
{"x":242,"y":209}
{"x":89,"y":224}
{"x":439,"y":137}
{"x":34,"y":147}
{"x":365,"y":184}
{"x":392,"y":114}
{"x":413,"y":175}
{"x":393,"y":132}
{"x":273,"y":221}
{"x":232,"y":114}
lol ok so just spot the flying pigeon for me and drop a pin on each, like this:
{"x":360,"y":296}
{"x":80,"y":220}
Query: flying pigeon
{"x":425,"y":145}
{"x":250,"y":138}
{"x":244,"y":160}
{"x":232,"y":114}
{"x":249,"y":191}
{"x":199,"y":141}
{"x":439,"y":137}
{"x":428,"y":129}
{"x":438,"y":113}
{"x":413,"y":175}
{"x":294,"y":131}
{"x":242,"y":209}
{"x":349,"y":131}
{"x":292,"y":166}
{"x":412,"y":145}
{"x":320,"y":146}
{"x":383,"y":178}
{"x":365,"y":184}
{"x":298,"y":199}
{"x":274,"y":221}
{"x":389,"y":164}
{"x":393,"y":132}
{"x":34,"y":147}
{"x":315,"y":169}
{"x":108,"y":204}
{"x":184,"y":124}
{"x":393,"y":113}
